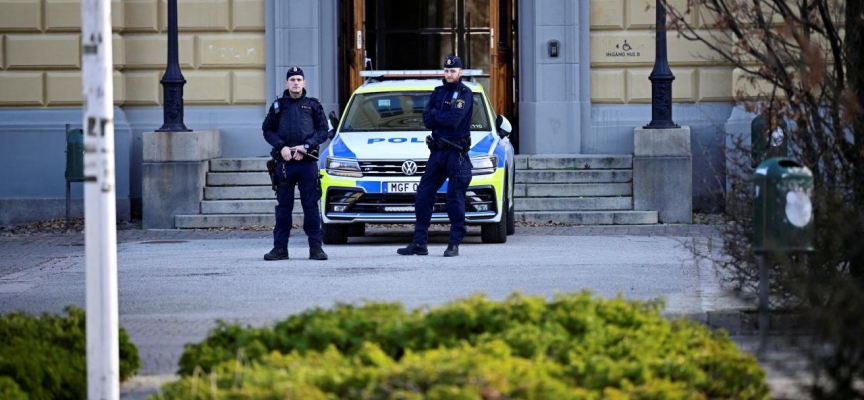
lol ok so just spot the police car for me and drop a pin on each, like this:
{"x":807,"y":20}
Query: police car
{"x":372,"y":166}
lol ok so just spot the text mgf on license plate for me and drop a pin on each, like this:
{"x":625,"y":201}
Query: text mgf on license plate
{"x":402,"y":187}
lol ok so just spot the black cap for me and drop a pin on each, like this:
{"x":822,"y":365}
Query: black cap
{"x":452,"y":62}
{"x":294,"y":71}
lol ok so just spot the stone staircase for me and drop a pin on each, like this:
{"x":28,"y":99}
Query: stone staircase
{"x":237,"y":194}
{"x":568,"y":189}
{"x":577,"y":189}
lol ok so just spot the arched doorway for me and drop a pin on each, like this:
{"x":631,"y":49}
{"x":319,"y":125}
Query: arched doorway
{"x":418,"y":34}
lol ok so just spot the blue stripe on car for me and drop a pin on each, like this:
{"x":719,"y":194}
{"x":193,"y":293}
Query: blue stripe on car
{"x":501,"y":152}
{"x":482,"y":147}
{"x":370,"y":186}
{"x":341,"y":150}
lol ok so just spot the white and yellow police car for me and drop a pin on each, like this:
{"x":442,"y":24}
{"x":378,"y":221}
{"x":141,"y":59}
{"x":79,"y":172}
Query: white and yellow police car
{"x":372,"y":166}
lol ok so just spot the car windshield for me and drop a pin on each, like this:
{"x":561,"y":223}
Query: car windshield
{"x":399,"y":111}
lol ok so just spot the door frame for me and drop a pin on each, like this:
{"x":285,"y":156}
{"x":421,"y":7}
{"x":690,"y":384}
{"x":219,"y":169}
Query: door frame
{"x":504,"y":88}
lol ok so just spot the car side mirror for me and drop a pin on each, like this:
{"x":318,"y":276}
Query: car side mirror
{"x":332,"y":122}
{"x":503,"y":126}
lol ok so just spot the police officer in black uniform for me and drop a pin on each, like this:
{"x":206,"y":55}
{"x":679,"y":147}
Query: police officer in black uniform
{"x":448,"y":114}
{"x":295,"y":126}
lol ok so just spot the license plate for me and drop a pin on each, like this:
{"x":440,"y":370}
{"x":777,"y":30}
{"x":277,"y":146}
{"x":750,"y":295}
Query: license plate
{"x":402,"y":187}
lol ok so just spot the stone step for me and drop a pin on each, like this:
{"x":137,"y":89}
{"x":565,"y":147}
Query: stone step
{"x":522,"y":204}
{"x":568,"y":189}
{"x":523,"y":162}
{"x":243,"y":206}
{"x":225,"y":220}
{"x":255,"y":164}
{"x":573,"y":203}
{"x":241,"y":193}
{"x":561,"y":176}
{"x":572,"y":189}
{"x":574,"y":161}
{"x":588,"y":217}
{"x":238,"y":179}
{"x":539,"y":217}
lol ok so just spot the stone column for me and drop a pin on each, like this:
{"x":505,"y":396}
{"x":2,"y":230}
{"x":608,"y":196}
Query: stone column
{"x":550,"y":91}
{"x":663,"y":173}
{"x":174,"y":173}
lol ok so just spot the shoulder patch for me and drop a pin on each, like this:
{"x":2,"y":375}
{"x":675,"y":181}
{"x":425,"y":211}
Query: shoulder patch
{"x":460,"y":104}
{"x":276,"y":106}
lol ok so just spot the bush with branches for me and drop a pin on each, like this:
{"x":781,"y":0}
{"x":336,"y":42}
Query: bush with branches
{"x":801,"y":62}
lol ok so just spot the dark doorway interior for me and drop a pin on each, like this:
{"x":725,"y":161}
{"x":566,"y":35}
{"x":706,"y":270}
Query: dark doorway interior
{"x":419,"y":34}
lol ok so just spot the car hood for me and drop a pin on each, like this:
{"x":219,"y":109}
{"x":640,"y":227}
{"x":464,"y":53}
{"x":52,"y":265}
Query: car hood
{"x":397,"y":145}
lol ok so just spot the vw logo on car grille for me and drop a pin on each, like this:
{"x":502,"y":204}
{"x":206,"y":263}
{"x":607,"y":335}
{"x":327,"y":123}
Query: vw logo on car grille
{"x":409,"y":167}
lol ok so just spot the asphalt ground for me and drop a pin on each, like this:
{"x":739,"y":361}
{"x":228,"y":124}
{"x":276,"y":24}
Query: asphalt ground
{"x":173,"y":284}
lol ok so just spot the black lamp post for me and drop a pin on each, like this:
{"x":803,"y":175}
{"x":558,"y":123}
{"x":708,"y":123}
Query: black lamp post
{"x":661,"y":79}
{"x":172,"y":81}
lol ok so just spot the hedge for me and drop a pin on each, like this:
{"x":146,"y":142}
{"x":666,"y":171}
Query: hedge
{"x":45,"y":357}
{"x":575,"y":346}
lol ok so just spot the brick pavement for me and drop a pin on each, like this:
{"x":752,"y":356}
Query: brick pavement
{"x":24,"y":251}
{"x":20,"y":252}
{"x":55,"y":251}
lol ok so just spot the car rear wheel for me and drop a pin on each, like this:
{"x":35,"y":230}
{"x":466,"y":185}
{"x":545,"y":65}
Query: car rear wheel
{"x":511,"y":220}
{"x":511,"y":211}
{"x":335,"y":234}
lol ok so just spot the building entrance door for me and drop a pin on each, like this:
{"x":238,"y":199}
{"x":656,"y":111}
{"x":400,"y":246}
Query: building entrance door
{"x":419,"y":34}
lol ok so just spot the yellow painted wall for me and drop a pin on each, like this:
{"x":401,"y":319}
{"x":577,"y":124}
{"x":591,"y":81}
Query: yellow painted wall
{"x":623,"y":52}
{"x":221,"y":47}
{"x":221,"y":52}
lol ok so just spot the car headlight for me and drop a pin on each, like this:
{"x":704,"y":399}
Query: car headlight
{"x":484,"y":165}
{"x":343,"y":167}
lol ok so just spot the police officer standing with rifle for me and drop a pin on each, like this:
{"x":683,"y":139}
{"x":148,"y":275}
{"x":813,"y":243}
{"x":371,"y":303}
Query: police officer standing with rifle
{"x":295,"y":126}
{"x":448,"y":114}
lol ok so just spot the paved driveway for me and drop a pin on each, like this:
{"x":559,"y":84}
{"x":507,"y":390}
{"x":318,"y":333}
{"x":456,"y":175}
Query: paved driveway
{"x":174,"y":284}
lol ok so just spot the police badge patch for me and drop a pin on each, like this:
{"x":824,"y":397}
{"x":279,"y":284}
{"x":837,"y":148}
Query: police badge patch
{"x":460,"y":104}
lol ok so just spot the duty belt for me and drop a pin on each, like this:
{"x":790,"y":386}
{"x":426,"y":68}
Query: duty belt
{"x":443,"y":144}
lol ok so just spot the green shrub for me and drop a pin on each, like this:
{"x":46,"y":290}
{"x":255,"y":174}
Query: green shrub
{"x":45,"y":357}
{"x":574,"y":346}
{"x":10,"y":390}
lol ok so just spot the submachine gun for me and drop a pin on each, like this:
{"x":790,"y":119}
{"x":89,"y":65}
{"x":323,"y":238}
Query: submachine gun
{"x":275,"y":155}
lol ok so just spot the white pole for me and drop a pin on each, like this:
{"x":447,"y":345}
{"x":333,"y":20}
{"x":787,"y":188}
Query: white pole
{"x":103,"y":353}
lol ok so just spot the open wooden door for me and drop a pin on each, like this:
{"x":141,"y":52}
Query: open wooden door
{"x":352,"y":42}
{"x":501,"y":67}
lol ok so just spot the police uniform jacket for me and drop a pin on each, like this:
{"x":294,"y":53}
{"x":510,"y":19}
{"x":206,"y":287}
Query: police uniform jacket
{"x":294,"y":122}
{"x":449,"y":110}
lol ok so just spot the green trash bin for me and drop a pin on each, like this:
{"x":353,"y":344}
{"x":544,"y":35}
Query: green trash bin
{"x":783,"y":210}
{"x":766,"y":143}
{"x":74,"y":155}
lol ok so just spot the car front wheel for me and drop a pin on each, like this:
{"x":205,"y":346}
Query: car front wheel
{"x":335,"y":234}
{"x":495,"y":233}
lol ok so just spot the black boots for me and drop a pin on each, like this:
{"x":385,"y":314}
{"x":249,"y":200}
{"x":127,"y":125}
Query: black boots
{"x":276,"y":254}
{"x":452,"y":250}
{"x":412,"y":249}
{"x":422,"y":250}
{"x":317,"y":253}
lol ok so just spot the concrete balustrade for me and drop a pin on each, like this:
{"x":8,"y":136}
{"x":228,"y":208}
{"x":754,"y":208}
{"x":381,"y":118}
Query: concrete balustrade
{"x":174,"y":170}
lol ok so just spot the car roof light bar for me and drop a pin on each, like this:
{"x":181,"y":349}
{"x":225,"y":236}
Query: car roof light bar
{"x":414,"y":74}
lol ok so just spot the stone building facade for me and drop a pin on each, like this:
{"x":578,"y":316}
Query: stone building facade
{"x":233,"y":54}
